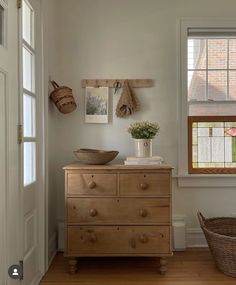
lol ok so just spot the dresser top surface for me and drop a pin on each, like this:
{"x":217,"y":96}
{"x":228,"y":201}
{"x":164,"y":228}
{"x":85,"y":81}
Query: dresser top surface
{"x":76,"y":165}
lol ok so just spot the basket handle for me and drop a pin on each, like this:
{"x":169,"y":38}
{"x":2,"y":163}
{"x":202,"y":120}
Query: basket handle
{"x":201,"y":218}
{"x":54,"y":84}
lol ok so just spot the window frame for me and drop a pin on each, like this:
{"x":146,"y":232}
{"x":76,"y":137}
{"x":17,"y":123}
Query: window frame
{"x":183,"y":155}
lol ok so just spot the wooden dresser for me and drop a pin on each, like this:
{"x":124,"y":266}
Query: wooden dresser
{"x":117,"y":210}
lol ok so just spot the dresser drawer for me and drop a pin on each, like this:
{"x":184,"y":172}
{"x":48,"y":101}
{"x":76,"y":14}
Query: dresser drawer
{"x":144,"y":184}
{"x":93,"y":184}
{"x":125,"y":240}
{"x":120,"y":210}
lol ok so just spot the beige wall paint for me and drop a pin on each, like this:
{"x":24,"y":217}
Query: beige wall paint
{"x":51,"y":54}
{"x":125,"y":39}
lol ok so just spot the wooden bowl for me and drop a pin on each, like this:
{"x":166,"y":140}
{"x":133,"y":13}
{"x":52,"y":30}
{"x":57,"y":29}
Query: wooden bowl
{"x":95,"y":156}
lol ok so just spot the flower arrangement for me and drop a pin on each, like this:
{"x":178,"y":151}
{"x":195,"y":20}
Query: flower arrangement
{"x":143,"y":130}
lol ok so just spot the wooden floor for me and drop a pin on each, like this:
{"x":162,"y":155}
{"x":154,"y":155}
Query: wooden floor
{"x":193,"y":267}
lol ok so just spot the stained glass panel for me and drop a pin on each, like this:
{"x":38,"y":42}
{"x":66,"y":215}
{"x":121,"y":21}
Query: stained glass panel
{"x":213,"y":143}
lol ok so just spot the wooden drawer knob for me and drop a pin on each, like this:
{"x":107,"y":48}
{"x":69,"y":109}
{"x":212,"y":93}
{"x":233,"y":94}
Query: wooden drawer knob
{"x":144,"y":186}
{"x":93,"y":212}
{"x":143,"y":238}
{"x":92,"y":238}
{"x":143,"y":213}
{"x":91,"y":184}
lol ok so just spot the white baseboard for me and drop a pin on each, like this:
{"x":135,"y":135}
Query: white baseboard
{"x":52,"y":248}
{"x":195,"y":238}
{"x":37,"y":279}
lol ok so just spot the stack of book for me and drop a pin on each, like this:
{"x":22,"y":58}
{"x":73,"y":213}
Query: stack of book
{"x":153,"y":160}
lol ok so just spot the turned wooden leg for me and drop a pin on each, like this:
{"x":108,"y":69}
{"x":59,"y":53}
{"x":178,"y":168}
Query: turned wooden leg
{"x":163,"y":265}
{"x":72,"y":265}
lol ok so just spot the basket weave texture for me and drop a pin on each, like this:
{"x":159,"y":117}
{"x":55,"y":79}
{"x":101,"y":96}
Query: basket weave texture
{"x":220,"y":234}
{"x":63,"y":98}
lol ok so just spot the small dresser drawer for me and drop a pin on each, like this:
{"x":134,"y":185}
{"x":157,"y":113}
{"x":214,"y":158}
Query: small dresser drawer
{"x":144,"y":184}
{"x":118,"y":211}
{"x":133,"y":240}
{"x":91,"y":184}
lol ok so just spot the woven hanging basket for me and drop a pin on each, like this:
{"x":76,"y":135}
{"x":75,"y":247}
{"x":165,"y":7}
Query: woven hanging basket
{"x":220,"y":234}
{"x":63,"y":98}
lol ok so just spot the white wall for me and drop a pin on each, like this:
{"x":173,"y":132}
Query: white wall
{"x":51,"y":55}
{"x":126,"y":39}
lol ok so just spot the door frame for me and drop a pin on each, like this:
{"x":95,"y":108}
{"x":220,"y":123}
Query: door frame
{"x":41,"y":140}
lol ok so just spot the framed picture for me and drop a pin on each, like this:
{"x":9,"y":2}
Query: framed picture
{"x":96,"y":104}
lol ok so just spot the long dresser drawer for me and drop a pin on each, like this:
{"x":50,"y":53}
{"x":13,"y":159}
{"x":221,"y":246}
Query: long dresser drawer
{"x":134,"y":240}
{"x":93,"y":184}
{"x":119,"y":210}
{"x":144,"y":184}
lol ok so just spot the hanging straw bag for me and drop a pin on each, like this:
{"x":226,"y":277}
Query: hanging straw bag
{"x":63,"y":98}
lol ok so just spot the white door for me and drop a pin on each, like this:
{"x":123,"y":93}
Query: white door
{"x":31,"y":158}
{"x":9,"y":186}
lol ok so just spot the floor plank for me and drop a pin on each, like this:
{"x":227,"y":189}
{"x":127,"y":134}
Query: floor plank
{"x":193,"y":267}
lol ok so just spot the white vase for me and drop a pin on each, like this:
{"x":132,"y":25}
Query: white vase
{"x":143,"y":147}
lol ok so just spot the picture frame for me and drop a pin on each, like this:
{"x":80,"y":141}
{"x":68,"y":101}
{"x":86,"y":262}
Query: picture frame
{"x":96,"y":105}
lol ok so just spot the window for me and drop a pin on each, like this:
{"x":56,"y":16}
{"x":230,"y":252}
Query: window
{"x":211,"y":100}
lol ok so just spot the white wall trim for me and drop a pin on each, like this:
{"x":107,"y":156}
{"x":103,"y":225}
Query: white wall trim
{"x":182,"y":30}
{"x":37,"y":279}
{"x":214,"y":181}
{"x":52,"y":248}
{"x":195,"y":238}
{"x":44,"y":74}
{"x":3,"y":179}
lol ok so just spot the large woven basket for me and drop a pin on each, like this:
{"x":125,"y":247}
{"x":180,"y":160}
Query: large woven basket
{"x":63,"y":98}
{"x":220,"y":234}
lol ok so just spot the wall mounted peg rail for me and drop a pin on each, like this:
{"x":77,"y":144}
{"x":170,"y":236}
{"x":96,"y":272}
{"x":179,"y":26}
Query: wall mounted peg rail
{"x":134,"y":83}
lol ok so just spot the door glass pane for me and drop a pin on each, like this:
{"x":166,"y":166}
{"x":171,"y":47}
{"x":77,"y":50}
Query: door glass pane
{"x":1,"y":24}
{"x":29,"y":116}
{"x":27,"y":70}
{"x":29,"y":162}
{"x":27,"y":24}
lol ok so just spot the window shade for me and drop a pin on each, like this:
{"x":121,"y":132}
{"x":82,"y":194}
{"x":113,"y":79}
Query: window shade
{"x":214,"y":33}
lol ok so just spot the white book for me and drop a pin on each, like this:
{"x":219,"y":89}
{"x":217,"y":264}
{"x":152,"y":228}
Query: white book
{"x":151,"y":158}
{"x":142,"y":162}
